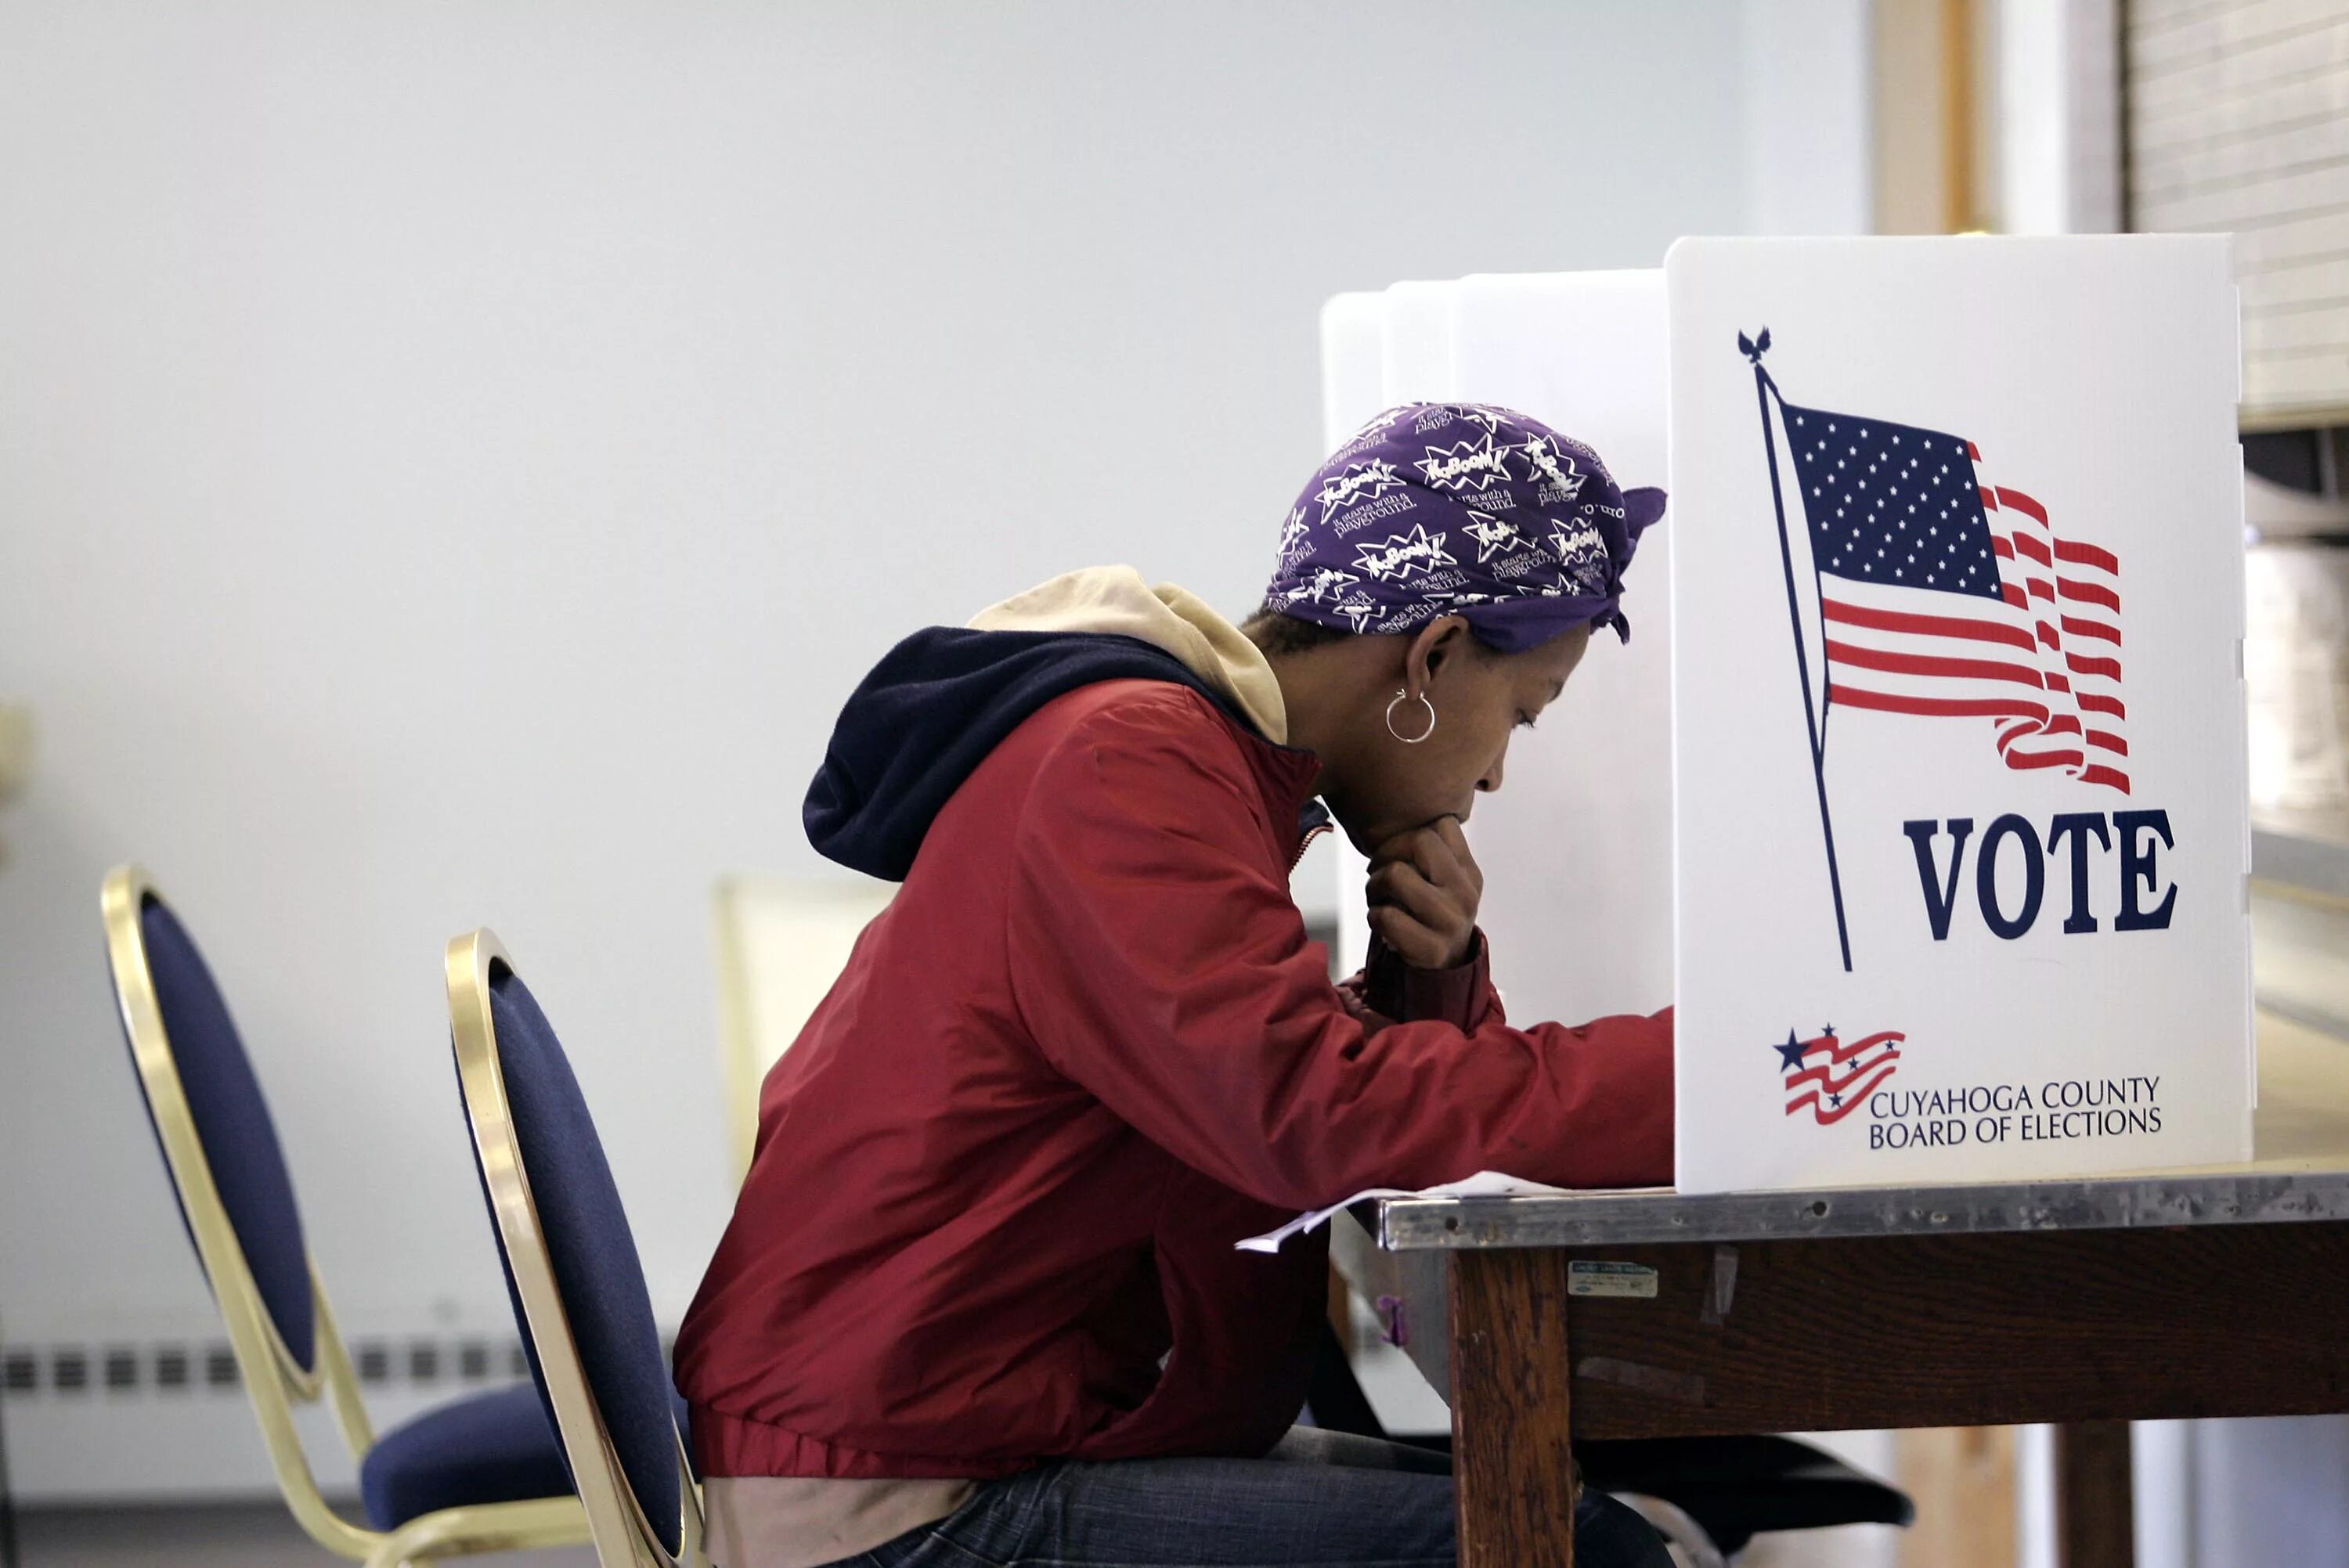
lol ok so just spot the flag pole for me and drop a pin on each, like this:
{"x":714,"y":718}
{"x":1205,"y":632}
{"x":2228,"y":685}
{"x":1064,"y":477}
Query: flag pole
{"x":1763,"y":387}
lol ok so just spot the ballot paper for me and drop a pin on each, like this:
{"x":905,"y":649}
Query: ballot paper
{"x":1484,"y":1184}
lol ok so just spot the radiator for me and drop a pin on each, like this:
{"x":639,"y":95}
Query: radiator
{"x":168,"y":1420}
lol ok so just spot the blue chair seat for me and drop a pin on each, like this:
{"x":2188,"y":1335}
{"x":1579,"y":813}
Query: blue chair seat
{"x":493,"y":1446}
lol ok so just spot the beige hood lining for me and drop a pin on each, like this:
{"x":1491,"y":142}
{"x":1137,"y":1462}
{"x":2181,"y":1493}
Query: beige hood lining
{"x":1115,"y":599}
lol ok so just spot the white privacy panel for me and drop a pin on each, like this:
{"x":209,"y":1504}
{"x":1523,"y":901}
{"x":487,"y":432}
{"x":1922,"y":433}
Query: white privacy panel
{"x":1577,"y":846}
{"x":1960,"y":792}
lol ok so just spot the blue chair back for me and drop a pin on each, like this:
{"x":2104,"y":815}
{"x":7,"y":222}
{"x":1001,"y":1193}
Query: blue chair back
{"x":467,"y":1477}
{"x":232,"y":1126}
{"x":565,"y":1194}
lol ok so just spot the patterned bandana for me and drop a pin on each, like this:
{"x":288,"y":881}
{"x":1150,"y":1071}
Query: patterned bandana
{"x":1461,"y":509}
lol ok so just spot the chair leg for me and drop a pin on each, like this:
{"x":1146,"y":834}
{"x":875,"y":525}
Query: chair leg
{"x":486,"y":1527}
{"x":1683,"y":1534}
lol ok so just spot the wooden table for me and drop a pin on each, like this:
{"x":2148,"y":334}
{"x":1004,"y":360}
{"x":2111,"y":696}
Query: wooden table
{"x":2085,"y":1303}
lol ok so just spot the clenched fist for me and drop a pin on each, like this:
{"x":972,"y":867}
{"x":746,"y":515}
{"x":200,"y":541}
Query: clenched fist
{"x":1423,"y":891}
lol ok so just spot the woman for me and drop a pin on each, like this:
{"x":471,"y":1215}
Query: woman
{"x":979,"y":1299}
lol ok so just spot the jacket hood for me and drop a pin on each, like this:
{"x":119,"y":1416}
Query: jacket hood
{"x":1114,"y":600}
{"x":939,"y":702}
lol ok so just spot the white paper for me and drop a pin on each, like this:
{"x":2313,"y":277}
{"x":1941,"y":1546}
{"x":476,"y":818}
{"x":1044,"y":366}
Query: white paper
{"x":1484,"y":1184}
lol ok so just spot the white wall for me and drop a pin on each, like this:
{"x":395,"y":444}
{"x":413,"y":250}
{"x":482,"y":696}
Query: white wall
{"x":1808,"y":117}
{"x":454,"y":459}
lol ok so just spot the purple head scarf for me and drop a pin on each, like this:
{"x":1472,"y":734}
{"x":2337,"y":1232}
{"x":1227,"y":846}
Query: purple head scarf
{"x":1461,"y":509}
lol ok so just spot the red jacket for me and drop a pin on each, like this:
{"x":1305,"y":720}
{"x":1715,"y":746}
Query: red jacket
{"x":1088,"y":1048}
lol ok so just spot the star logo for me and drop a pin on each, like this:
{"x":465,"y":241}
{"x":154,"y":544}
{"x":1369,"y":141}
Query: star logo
{"x":1292,"y":538}
{"x":1490,"y":417}
{"x":1325,"y":579}
{"x":1465,"y":465}
{"x":1405,"y":554}
{"x":1583,"y":555}
{"x":1492,"y":535}
{"x":1357,"y":610}
{"x":1369,"y":435}
{"x":1790,"y":1054}
{"x":1832,"y":1078}
{"x":1360,"y":481}
{"x":1561,"y":480}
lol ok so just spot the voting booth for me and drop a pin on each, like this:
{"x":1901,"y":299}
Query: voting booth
{"x":1920,"y":788}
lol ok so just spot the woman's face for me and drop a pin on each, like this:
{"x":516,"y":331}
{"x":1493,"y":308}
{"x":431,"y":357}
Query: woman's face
{"x":1383,"y":787}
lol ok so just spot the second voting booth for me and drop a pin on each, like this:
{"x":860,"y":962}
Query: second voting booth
{"x":1920,"y":787}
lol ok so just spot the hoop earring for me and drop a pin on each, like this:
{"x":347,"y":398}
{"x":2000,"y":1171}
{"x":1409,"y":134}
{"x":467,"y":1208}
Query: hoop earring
{"x":1398,"y":735}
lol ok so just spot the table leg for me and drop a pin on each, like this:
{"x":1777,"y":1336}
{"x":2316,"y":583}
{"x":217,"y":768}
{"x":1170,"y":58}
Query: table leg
{"x":1510,"y":1413}
{"x":2096,"y":1506}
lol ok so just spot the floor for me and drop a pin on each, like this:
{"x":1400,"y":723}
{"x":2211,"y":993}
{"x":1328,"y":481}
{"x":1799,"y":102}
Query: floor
{"x":252,"y":1536}
{"x":218,"y":1535}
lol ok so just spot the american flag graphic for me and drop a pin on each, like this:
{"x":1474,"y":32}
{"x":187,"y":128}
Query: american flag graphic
{"x":1830,"y":1077}
{"x":1943,"y":595}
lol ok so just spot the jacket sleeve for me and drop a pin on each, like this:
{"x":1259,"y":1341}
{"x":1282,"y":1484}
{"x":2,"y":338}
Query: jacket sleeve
{"x":1158,"y":963}
{"x":1460,"y":996}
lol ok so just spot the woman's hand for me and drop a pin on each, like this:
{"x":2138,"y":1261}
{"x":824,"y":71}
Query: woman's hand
{"x":1354,"y":996}
{"x":1423,"y":891}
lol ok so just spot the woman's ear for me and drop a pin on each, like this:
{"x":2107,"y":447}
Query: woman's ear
{"x":1442,"y":639}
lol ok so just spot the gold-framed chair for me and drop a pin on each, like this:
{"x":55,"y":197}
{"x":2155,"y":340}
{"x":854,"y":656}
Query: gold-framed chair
{"x":489,"y":1456}
{"x":578,"y":1286}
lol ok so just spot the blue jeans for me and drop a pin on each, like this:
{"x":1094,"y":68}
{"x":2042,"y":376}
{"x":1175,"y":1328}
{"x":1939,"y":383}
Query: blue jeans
{"x":1319,"y":1498}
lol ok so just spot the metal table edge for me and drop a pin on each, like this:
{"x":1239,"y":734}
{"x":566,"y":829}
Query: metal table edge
{"x":1627,"y":1219}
